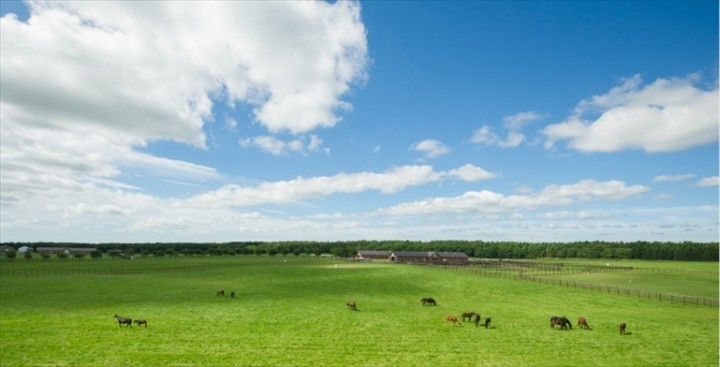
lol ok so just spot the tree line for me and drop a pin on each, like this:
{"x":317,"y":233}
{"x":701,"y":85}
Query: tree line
{"x":640,"y":250}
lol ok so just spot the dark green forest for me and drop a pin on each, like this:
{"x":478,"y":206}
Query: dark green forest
{"x":641,"y":250}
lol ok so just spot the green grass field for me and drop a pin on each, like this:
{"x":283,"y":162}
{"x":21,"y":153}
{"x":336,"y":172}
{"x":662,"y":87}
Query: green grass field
{"x":295,"y":314}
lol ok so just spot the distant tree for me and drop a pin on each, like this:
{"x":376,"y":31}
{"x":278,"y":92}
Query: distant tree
{"x":62,"y":256}
{"x":96,"y":255}
{"x":28,"y":255}
{"x":79,"y":255}
{"x":45,"y":256}
{"x":10,"y":255}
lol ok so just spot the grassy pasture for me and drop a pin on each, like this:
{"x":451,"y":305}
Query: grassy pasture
{"x":295,"y":314}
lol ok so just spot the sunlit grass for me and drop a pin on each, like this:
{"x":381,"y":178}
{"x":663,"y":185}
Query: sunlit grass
{"x":296,"y":315}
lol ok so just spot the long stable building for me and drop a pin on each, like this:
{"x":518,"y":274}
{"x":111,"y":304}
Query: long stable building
{"x":414,"y":257}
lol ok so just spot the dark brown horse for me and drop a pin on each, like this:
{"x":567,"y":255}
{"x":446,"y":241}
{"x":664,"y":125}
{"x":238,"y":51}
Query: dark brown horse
{"x":351,"y":305}
{"x":487,"y":322}
{"x":122,"y":320}
{"x":220,"y":292}
{"x":622,"y":328}
{"x":453,"y":319}
{"x":477,"y":319}
{"x":468,"y":315}
{"x":428,"y":301}
{"x":232,"y":294}
{"x":562,"y":321}
{"x":582,"y":323}
{"x":141,"y":322}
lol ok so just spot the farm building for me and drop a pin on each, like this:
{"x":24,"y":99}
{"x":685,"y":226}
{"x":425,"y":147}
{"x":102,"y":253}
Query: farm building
{"x":4,"y":249}
{"x":373,"y":255}
{"x":410,"y":257}
{"x":455,"y":258}
{"x":24,"y":249}
{"x":445,"y":258}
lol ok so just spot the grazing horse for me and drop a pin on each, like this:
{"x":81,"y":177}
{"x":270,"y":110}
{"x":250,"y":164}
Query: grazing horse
{"x":477,"y":319}
{"x":487,"y":322}
{"x":428,"y":301}
{"x":562,"y":321}
{"x":453,"y":319}
{"x":622,"y":328}
{"x":468,"y":316}
{"x":220,"y":292}
{"x":583,"y":323}
{"x":122,"y":320}
{"x":351,"y":305}
{"x":141,"y":322}
{"x":232,"y":294}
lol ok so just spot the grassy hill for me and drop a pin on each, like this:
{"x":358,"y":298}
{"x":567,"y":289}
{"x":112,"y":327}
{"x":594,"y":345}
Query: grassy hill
{"x":295,"y":314}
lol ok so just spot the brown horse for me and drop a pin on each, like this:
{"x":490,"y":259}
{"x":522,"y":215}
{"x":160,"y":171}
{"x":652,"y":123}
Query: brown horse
{"x":122,"y":320}
{"x":562,"y":321}
{"x":428,"y":301}
{"x":468,"y":315}
{"x":453,"y":319}
{"x":487,"y":322}
{"x":477,"y":319}
{"x":141,"y":322}
{"x":232,"y":294}
{"x":351,"y":305}
{"x":582,"y":323}
{"x":622,"y":328}
{"x":220,"y":292}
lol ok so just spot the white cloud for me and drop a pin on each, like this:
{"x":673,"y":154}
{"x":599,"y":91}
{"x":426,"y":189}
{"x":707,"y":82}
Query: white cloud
{"x":708,"y":181}
{"x":514,"y":124}
{"x":491,"y":202}
{"x":275,"y":146}
{"x":431,"y":148}
{"x":667,"y":115}
{"x":672,"y":178}
{"x":291,"y":191}
{"x":85,"y":84}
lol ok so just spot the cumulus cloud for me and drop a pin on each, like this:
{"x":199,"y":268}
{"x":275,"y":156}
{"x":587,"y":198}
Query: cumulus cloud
{"x":431,"y":148}
{"x":86,"y":85}
{"x":708,"y":181}
{"x":296,"y":190}
{"x":673,"y":178}
{"x":667,"y":115}
{"x":486,"y":201}
{"x":275,"y":146}
{"x":514,"y":124}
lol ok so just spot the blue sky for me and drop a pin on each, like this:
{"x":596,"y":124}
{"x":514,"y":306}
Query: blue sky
{"x":522,"y":121}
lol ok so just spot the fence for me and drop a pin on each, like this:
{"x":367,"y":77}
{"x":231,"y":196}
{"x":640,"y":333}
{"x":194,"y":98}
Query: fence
{"x":530,"y":272}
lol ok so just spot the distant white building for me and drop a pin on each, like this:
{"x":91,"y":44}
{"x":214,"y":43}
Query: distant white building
{"x":24,"y":249}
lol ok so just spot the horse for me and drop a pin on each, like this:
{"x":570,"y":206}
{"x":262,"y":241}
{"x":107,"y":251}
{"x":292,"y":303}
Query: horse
{"x":487,"y":322}
{"x":468,"y":316}
{"x":428,"y":301}
{"x":622,"y":328}
{"x":583,"y":323}
{"x":220,"y":292}
{"x":562,"y":321}
{"x":122,"y":320}
{"x":477,"y":319}
{"x":232,"y":294}
{"x":453,"y":319}
{"x":141,"y":322}
{"x":351,"y":305}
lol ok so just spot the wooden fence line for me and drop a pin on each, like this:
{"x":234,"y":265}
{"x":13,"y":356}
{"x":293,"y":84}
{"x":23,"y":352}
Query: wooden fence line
{"x":518,"y":273}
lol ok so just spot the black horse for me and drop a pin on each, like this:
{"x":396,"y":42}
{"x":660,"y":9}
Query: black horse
{"x":141,"y":322}
{"x":469,"y":316}
{"x":122,"y":320}
{"x":428,"y":301}
{"x":562,"y":321}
